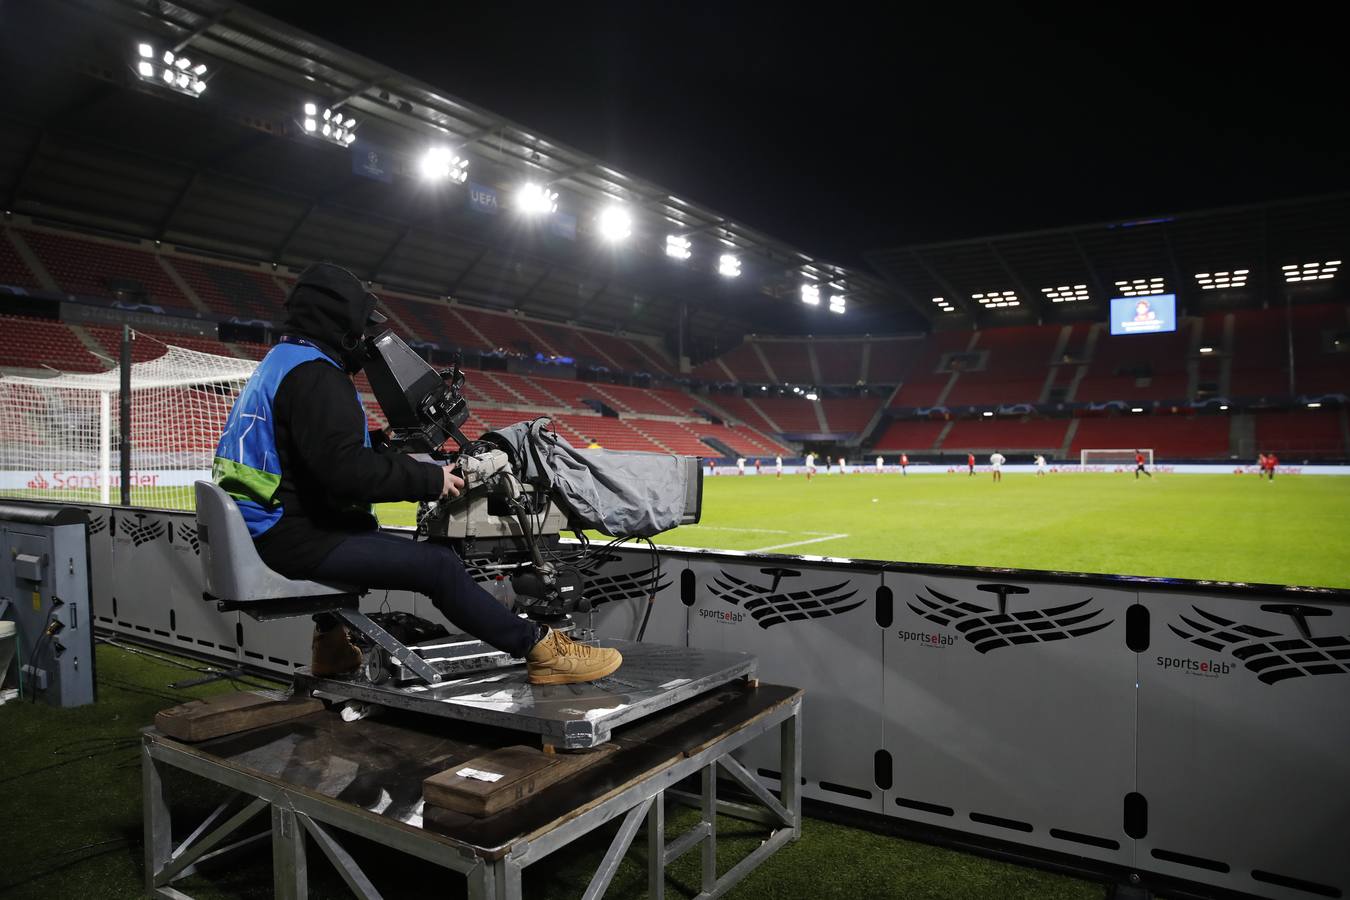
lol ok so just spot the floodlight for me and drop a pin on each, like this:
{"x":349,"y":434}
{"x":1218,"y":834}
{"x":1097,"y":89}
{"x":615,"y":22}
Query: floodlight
{"x":1137,"y":409}
{"x":615,"y":223}
{"x":333,"y":129}
{"x":198,"y":86}
{"x":310,"y":125}
{"x":1206,"y":349}
{"x":145,"y":51}
{"x":168,"y":75}
{"x":1065,"y":293}
{"x":1223,"y":406}
{"x":168,"y":57}
{"x":145,"y":70}
{"x":811,"y":295}
{"x":178,"y":72}
{"x":836,"y":303}
{"x":996,"y":300}
{"x":943,"y":304}
{"x":1314,"y":406}
{"x":812,"y":396}
{"x":312,"y":110}
{"x":1141,"y":287}
{"x":536,"y":200}
{"x":729,"y":266}
{"x":1312,"y":271}
{"x":678,"y":247}
{"x":350,"y":123}
{"x":987,"y":414}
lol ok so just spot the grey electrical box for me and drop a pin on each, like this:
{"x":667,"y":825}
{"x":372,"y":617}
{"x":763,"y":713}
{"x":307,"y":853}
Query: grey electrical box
{"x":44,"y":589}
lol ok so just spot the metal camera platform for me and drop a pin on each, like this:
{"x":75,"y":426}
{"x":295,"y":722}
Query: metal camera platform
{"x":314,"y":781}
{"x":653,"y":677}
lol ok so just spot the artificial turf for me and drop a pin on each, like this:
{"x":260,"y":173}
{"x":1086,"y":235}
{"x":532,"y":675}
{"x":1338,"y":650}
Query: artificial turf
{"x":70,"y":804}
{"x":1294,"y":530}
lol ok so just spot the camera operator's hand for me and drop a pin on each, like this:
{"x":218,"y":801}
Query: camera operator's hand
{"x":454,"y":485}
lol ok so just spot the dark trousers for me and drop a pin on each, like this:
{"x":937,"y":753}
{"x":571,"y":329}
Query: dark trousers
{"x":379,"y":561}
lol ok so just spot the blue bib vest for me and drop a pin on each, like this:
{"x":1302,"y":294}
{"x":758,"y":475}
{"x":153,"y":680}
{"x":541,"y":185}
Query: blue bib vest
{"x":247,"y":466}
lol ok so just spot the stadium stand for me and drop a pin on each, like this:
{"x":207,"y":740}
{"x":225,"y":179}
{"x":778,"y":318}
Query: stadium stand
{"x":34,"y":343}
{"x":889,"y":360}
{"x":1318,"y":369}
{"x":13,"y":270}
{"x":1177,"y":437}
{"x":501,"y":331}
{"x":1016,"y":363}
{"x":150,"y":345}
{"x":103,"y":268}
{"x":1306,"y":433}
{"x":849,"y":415}
{"x":840,"y":362}
{"x":1137,"y":367}
{"x":910,"y":435}
{"x":981,"y":435}
{"x":230,"y":291}
{"x":792,"y":414}
{"x":925,"y":384}
{"x":643,"y":401}
{"x":789,"y":360}
{"x":1259,"y":354}
{"x":745,"y":366}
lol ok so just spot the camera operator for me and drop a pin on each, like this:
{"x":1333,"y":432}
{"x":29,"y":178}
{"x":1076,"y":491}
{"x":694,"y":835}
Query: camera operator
{"x":297,"y":458}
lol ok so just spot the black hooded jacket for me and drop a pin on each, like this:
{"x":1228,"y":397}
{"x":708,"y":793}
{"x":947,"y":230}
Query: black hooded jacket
{"x":328,"y":476}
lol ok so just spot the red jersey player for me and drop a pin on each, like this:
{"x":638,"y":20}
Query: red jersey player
{"x":1271,"y":462}
{"x":1139,"y":466}
{"x":970,"y":462}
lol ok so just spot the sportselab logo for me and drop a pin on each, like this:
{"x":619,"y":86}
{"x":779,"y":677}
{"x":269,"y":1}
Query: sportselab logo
{"x":1206,"y":668}
{"x":723,"y":616}
{"x":928,"y":639}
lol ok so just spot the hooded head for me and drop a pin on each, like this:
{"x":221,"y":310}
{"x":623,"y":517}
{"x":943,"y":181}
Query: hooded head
{"x":330,"y":306}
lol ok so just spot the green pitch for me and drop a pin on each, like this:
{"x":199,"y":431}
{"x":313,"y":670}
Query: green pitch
{"x":1295,"y":530}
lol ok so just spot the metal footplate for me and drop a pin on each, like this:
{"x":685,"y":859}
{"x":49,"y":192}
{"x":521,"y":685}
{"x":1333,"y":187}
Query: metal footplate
{"x":653,"y":677}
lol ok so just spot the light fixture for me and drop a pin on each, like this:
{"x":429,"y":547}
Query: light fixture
{"x":1065,"y":293}
{"x":729,"y":265}
{"x":836,"y":303}
{"x":987,"y":414}
{"x":1141,"y":287}
{"x":442,"y":163}
{"x":944,"y":305}
{"x":169,"y":70}
{"x":812,"y":396}
{"x":335,"y":128}
{"x":1311,"y":271}
{"x":1223,"y":406}
{"x":615,"y":223}
{"x":1314,"y":406}
{"x":1136,"y":409}
{"x":678,"y":247}
{"x":1206,"y":349}
{"x":996,"y":299}
{"x":1217,"y":281}
{"x":536,"y":200}
{"x":811,"y":294}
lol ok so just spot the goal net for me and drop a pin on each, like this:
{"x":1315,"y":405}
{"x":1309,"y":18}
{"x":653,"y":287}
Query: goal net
{"x":1113,"y":458}
{"x":60,"y":437}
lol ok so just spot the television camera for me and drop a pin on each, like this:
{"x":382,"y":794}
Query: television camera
{"x":512,"y":520}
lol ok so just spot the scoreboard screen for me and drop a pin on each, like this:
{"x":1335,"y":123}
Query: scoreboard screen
{"x":1144,"y":315}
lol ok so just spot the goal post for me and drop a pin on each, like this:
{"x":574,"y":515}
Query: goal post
{"x":1114,"y":457}
{"x":60,"y":437}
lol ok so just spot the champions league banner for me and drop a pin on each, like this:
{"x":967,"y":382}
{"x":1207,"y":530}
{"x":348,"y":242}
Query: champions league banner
{"x":1183,"y":729}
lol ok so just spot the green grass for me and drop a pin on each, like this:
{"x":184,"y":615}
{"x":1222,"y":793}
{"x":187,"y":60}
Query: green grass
{"x":70,"y":802}
{"x":1294,"y":530}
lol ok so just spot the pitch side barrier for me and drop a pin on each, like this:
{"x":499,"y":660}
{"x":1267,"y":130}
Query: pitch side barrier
{"x":1055,"y":468}
{"x":1185,"y":730}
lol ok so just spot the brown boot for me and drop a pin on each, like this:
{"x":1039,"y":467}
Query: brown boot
{"x":334,"y":653}
{"x":558,"y":659}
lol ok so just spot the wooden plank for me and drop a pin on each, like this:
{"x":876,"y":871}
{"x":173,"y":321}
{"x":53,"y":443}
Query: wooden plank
{"x":198,"y":720}
{"x":504,"y":777}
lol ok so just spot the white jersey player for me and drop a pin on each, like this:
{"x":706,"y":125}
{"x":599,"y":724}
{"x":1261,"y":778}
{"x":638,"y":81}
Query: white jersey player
{"x":740,"y":466}
{"x":996,"y":461}
{"x":841,"y":466}
{"x":810,"y":465}
{"x":1040,"y":464}
{"x":880,"y":464}
{"x":778,"y":466}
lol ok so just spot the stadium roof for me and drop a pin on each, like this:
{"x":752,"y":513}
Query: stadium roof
{"x":88,"y":142}
{"x":1214,"y":259}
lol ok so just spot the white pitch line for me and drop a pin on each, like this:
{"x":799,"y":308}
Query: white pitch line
{"x":828,"y":537}
{"x":751,"y":530}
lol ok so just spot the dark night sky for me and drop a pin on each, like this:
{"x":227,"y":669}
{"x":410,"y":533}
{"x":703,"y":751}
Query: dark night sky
{"x":856,"y":131}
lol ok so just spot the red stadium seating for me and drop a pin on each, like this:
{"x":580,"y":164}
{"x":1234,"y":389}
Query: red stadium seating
{"x":1007,"y":435}
{"x":840,"y":362}
{"x":849,"y":414}
{"x":501,"y":331}
{"x":745,"y":366}
{"x":890,"y":360}
{"x":792,"y":414}
{"x":1300,"y":433}
{"x":83,"y":266}
{"x":13,"y":270}
{"x":789,"y":361}
{"x":1165,"y":354}
{"x":643,"y":400}
{"x":924,"y":385}
{"x":1317,"y":370}
{"x":1260,"y":354}
{"x":1016,"y":364}
{"x":230,"y":291}
{"x":1174,"y":437}
{"x":910,"y":435}
{"x":31,"y":343}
